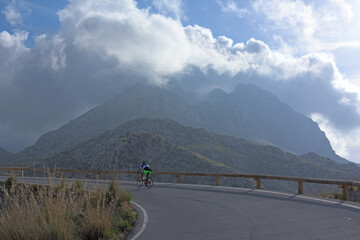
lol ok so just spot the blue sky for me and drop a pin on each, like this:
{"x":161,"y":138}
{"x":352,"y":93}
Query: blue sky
{"x":306,"y":52}
{"x":40,"y":16}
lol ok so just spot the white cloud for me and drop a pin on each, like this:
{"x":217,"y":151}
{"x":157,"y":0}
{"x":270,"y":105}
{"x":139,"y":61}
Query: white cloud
{"x":338,"y":142}
{"x":15,"y":40}
{"x":101,"y":43}
{"x":231,"y":7}
{"x":12,"y":49}
{"x":310,"y":26}
{"x":12,"y":15}
{"x":163,"y":46}
{"x":51,"y":51}
{"x":170,"y":7}
{"x":345,"y":144}
{"x":286,"y":15}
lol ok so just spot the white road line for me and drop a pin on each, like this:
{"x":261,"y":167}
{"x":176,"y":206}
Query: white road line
{"x":146,"y":219}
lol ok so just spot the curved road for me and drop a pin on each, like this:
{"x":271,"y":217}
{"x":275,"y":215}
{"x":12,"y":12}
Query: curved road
{"x":207,"y":212}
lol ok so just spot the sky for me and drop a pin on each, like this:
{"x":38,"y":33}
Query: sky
{"x":60,"y":58}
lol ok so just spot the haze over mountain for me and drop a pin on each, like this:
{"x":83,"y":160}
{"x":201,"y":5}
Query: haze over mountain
{"x":5,"y":155}
{"x":169,"y":146}
{"x":248,"y":112}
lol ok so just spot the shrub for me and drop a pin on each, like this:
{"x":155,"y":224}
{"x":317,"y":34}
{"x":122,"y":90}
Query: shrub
{"x":37,"y":212}
{"x":11,"y":182}
{"x":77,"y":185}
{"x":112,"y":192}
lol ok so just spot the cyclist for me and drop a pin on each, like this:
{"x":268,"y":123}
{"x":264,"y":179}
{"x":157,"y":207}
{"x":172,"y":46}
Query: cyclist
{"x":146,"y":171}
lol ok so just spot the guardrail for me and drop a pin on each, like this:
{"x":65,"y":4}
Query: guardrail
{"x":345,"y":185}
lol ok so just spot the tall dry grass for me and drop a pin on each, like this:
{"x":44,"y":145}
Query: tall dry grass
{"x":35,"y":212}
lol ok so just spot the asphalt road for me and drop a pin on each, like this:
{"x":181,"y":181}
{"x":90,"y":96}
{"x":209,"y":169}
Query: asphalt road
{"x":208,"y":212}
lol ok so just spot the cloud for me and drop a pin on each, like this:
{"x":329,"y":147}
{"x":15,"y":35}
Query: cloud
{"x":345,"y":144}
{"x":12,"y":48}
{"x":172,"y":8}
{"x":14,"y":41}
{"x":104,"y":46}
{"x":12,"y":15}
{"x":15,"y":11}
{"x":51,"y":51}
{"x":310,"y":26}
{"x":338,"y":142}
{"x":231,"y":7}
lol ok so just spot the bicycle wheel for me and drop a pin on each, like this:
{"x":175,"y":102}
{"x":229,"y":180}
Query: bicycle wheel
{"x":139,"y":181}
{"x":149,"y":183}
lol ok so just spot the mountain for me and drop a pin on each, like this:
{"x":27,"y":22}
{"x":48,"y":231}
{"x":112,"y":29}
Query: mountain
{"x":169,"y":146}
{"x":138,"y":101}
{"x":248,"y":112}
{"x":112,"y":152}
{"x":5,"y":156}
{"x":257,"y":115}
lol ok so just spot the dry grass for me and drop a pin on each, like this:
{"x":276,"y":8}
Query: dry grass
{"x":354,"y":194}
{"x":34,"y":212}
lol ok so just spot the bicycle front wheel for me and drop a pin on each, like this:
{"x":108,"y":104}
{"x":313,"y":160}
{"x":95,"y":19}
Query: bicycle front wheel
{"x":139,"y":182}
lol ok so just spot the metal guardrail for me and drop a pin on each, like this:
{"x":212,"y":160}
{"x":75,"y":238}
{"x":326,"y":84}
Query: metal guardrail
{"x":344,"y":184}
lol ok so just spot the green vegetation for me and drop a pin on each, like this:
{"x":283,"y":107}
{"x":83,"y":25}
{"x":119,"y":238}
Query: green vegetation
{"x":353,"y":194}
{"x":42,"y":212}
{"x":334,"y":195}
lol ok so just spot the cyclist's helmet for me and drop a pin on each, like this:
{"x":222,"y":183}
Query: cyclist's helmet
{"x":144,"y":162}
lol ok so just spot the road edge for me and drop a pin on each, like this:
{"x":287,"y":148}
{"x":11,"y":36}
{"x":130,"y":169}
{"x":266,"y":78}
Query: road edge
{"x":138,"y":228}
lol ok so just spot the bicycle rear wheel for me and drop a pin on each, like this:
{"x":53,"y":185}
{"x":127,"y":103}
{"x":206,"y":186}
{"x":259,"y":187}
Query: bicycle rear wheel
{"x":149,"y":183}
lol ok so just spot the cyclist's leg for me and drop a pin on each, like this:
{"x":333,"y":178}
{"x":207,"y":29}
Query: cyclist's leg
{"x":146,"y":175}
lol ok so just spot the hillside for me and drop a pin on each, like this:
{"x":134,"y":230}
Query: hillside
{"x":239,"y":154}
{"x":169,"y":146}
{"x":248,"y":112}
{"x":112,"y":152}
{"x":5,"y":156}
{"x":259,"y":116}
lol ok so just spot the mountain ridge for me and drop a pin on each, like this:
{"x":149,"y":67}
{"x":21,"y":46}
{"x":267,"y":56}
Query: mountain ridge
{"x":246,"y":113}
{"x":170,"y":146}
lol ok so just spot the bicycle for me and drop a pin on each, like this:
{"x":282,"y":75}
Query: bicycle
{"x":147,"y":182}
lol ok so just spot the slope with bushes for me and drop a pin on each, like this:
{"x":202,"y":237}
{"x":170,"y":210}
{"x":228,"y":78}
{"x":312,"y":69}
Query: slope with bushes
{"x":36,"y":212}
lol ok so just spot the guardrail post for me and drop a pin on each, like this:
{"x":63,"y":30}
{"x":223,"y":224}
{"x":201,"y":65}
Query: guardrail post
{"x":217,"y":181}
{"x":345,"y":192}
{"x":300,"y":187}
{"x":258,"y":183}
{"x":61,"y":174}
{"x":22,"y":173}
{"x":100,"y":175}
{"x":178,"y":179}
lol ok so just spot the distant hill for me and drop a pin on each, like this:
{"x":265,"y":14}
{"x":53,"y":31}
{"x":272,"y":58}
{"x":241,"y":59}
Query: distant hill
{"x":248,"y":112}
{"x":169,"y":146}
{"x":112,"y":152}
{"x":5,"y":156}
